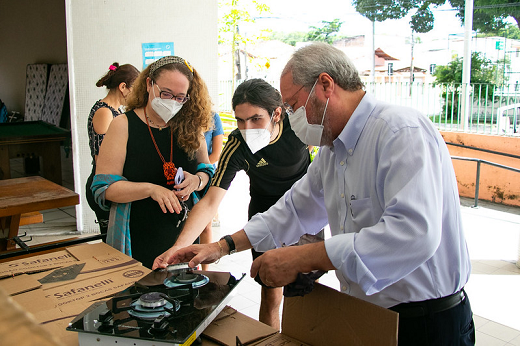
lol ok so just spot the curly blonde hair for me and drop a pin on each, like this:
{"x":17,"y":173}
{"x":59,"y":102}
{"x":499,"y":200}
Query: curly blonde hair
{"x":195,"y":116}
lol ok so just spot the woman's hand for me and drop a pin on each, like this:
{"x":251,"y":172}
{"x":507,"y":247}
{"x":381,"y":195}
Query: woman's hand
{"x":166,"y":199}
{"x":194,"y":254}
{"x":188,"y":185}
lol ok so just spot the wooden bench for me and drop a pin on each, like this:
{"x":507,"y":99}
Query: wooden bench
{"x":27,"y":195}
{"x":31,"y":218}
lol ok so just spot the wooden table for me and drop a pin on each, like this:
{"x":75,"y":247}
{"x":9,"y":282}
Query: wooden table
{"x":23,"y":195}
{"x":32,"y":139}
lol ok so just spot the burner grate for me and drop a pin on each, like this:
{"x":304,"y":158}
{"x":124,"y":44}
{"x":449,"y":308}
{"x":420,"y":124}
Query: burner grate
{"x":151,"y":300}
{"x":151,"y":313}
{"x":196,"y":280}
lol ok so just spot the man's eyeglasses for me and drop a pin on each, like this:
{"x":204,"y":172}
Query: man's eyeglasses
{"x":288,"y":108}
{"x":168,"y":96}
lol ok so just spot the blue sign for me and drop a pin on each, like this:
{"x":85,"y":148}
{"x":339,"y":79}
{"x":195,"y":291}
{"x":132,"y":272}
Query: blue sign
{"x":155,"y":50}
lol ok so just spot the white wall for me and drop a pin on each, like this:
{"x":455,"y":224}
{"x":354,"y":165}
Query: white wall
{"x":100,"y":32}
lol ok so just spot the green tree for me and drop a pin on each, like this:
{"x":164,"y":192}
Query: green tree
{"x":326,"y":33}
{"x":289,"y":38}
{"x":483,"y":71}
{"x":490,"y":15}
{"x":381,"y":10}
{"x":234,"y":13}
{"x":510,"y":32}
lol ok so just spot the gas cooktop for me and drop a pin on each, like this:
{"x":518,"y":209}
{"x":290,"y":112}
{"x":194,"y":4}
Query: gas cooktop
{"x":163,"y":308}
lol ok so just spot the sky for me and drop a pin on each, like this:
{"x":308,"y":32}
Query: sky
{"x":298,"y":15}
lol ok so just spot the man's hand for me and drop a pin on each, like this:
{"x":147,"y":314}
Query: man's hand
{"x":280,"y":267}
{"x":276,"y":267}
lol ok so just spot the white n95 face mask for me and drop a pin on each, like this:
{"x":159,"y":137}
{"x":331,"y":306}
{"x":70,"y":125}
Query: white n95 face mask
{"x":257,"y":139}
{"x":165,"y":108}
{"x":309,"y":134}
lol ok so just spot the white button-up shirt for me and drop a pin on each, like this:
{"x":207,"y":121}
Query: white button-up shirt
{"x":388,"y":190}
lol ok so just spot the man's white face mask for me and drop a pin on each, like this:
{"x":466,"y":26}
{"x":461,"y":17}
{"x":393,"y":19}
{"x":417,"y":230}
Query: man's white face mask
{"x":309,"y":134}
{"x":257,"y":139}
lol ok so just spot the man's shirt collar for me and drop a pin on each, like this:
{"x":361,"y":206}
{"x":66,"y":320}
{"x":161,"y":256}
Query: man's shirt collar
{"x":352,"y":131}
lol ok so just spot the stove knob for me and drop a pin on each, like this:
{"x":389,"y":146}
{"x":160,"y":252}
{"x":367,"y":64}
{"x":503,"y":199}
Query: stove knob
{"x":105,"y":316}
{"x":105,"y":319}
{"x":160,"y":325}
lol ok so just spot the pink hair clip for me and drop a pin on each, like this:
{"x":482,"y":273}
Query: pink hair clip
{"x":112,"y":68}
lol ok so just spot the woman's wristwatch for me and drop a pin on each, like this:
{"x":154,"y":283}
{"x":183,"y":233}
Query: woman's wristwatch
{"x":231,"y":244}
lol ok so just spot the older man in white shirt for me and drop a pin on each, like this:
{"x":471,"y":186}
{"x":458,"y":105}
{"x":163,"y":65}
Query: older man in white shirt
{"x":384,"y":182}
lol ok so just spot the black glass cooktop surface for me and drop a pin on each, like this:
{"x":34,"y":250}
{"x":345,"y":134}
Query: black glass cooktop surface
{"x":161,"y":307}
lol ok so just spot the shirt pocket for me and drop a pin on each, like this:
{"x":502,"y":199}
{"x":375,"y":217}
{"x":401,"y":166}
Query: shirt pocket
{"x":361,"y":211}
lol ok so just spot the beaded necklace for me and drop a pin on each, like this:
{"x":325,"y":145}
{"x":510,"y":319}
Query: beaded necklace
{"x":153,"y":123}
{"x":168,"y":167}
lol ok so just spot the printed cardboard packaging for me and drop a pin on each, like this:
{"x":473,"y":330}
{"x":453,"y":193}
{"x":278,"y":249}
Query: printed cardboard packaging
{"x":36,"y":264}
{"x":323,"y":317}
{"x":58,"y":286}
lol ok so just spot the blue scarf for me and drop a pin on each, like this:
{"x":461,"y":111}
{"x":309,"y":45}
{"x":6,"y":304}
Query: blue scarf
{"x":118,"y":233}
{"x":209,"y":170}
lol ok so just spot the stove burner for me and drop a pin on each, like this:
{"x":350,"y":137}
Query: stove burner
{"x":152,"y":300}
{"x":186,"y":278}
{"x":153,"y":305}
{"x":196,"y":280}
{"x":153,"y":312}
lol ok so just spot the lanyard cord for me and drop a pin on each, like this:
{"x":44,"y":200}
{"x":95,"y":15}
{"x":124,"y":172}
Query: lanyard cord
{"x":153,"y":139}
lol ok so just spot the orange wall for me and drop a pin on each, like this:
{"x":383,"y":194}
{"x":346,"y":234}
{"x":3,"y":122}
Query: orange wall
{"x":496,"y":184}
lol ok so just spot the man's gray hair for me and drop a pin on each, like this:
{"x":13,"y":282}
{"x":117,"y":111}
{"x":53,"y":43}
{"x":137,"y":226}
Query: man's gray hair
{"x":308,"y":62}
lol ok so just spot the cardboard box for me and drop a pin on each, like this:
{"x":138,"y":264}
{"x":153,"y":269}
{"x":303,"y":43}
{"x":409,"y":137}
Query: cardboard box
{"x":85,"y":273}
{"x":323,"y":317}
{"x":56,"y":287}
{"x":230,"y":324}
{"x":37,"y":263}
{"x":18,"y":328}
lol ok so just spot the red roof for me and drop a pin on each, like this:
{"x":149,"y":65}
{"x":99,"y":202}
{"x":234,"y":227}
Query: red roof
{"x":379,"y":52}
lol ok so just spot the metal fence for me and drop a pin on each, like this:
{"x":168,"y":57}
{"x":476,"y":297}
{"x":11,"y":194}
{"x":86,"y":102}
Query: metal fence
{"x":493,"y":110}
{"x":477,"y":179}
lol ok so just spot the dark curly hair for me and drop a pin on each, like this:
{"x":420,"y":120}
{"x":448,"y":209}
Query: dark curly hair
{"x":195,"y":116}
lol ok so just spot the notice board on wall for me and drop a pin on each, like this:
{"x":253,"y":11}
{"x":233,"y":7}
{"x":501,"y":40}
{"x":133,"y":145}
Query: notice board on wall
{"x":155,"y":50}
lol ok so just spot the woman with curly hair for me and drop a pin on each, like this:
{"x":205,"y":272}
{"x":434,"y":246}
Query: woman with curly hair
{"x":147,"y":152}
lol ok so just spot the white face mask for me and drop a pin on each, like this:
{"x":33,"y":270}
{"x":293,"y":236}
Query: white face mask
{"x":257,"y":139}
{"x":309,"y":134}
{"x":166,"y":109}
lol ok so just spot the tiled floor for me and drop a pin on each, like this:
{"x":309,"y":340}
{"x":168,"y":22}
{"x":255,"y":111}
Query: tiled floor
{"x":492,"y":232}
